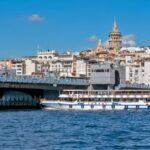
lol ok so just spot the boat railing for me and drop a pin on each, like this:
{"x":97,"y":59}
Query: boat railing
{"x":80,"y":94}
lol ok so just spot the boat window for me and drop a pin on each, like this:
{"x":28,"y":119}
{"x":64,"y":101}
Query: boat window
{"x":126,"y":106}
{"x":116,"y":100}
{"x":70,"y":106}
{"x":92,"y":106}
{"x":137,"y":106}
{"x":70,"y":92}
{"x":113,"y":106}
{"x":82,"y":105}
{"x":104,"y":106}
{"x":135,"y":100}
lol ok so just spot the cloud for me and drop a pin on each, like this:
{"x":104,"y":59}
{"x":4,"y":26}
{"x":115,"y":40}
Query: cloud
{"x":92,"y":38}
{"x":35,"y":18}
{"x":106,"y":44}
{"x":128,"y":40}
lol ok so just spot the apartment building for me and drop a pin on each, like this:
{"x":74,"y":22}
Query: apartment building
{"x":18,"y":66}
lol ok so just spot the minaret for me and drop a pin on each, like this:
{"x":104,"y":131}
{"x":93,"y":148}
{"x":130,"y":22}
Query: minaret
{"x":100,"y":47}
{"x":115,"y":38}
{"x":100,"y":51}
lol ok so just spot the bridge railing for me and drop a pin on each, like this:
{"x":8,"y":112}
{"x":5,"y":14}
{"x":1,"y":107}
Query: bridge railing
{"x":134,"y":86}
{"x":37,"y":80}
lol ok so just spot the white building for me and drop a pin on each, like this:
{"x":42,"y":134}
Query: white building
{"x":45,"y":56}
{"x":82,"y":68}
{"x":133,"y":49}
{"x":52,"y":62}
{"x":19,"y":67}
{"x":137,"y":70}
{"x":146,"y":72}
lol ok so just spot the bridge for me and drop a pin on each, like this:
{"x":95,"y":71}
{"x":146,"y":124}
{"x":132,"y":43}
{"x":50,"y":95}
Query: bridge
{"x":28,"y":90}
{"x":42,"y":83}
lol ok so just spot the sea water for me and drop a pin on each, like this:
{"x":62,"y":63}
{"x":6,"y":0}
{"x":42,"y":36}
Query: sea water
{"x":68,"y":130}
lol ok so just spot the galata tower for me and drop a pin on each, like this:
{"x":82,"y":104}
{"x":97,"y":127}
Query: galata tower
{"x":115,"y":38}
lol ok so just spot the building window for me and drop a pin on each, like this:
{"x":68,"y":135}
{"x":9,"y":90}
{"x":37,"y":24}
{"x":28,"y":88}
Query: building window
{"x":99,"y":70}
{"x":70,"y":106}
{"x":19,"y":66}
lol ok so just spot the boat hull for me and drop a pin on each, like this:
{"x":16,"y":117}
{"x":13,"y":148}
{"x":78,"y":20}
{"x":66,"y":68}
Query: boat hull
{"x":62,"y":105}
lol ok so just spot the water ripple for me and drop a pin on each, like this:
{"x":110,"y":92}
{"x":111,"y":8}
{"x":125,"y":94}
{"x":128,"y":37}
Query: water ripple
{"x":60,"y":130}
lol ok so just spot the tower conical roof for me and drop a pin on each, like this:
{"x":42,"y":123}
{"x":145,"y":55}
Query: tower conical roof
{"x":115,"y":28}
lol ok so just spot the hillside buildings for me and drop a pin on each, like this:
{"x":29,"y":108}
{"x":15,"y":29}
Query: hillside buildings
{"x":109,"y":66}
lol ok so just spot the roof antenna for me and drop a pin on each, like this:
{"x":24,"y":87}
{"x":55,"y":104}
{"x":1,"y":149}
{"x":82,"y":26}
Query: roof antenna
{"x":38,"y":47}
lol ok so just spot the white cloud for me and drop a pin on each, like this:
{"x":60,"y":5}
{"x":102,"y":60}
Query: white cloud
{"x":92,"y":38}
{"x":128,"y":40}
{"x":35,"y":18}
{"x":106,"y":44}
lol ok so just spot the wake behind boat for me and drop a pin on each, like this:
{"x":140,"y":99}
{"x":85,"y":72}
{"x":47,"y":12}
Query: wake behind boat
{"x":100,"y":100}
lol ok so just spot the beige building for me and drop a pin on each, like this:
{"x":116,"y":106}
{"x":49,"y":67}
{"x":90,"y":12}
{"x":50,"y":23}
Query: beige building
{"x":6,"y":64}
{"x":30,"y":67}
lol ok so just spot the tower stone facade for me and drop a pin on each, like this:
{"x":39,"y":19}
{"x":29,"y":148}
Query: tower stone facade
{"x":115,"y":38}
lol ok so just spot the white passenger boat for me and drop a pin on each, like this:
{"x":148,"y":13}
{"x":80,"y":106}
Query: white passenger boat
{"x":100,"y":100}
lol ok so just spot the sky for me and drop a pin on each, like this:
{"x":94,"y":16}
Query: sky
{"x":27,"y":26}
